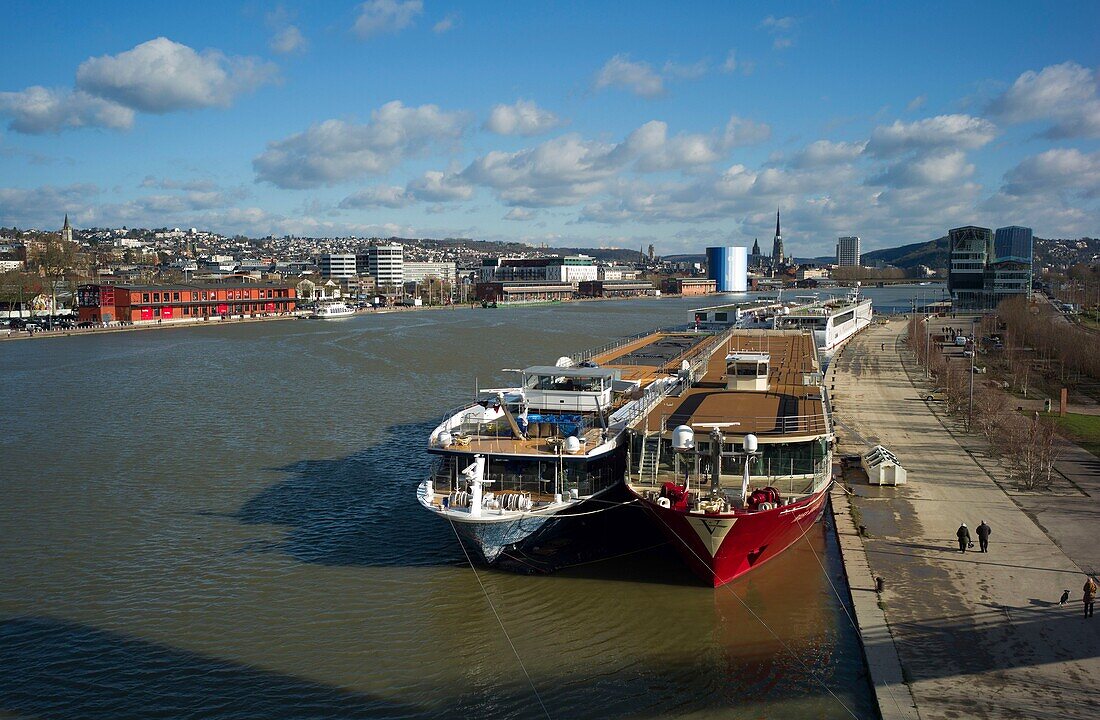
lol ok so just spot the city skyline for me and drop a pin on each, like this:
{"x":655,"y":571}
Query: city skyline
{"x":574,"y":125}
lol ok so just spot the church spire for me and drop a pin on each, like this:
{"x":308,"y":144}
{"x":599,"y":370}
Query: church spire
{"x":777,"y":243}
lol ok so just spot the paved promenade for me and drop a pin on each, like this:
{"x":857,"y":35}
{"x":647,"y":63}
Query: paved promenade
{"x":977,"y":636}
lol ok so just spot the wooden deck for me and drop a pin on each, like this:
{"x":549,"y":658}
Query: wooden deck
{"x":789,"y":406}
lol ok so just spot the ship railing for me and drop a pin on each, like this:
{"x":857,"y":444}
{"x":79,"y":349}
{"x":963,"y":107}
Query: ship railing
{"x":791,"y":478}
{"x":811,"y":424}
{"x":617,"y":343}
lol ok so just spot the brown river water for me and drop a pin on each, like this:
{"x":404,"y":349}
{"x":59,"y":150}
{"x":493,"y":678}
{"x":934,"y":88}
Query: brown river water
{"x":220,"y":522}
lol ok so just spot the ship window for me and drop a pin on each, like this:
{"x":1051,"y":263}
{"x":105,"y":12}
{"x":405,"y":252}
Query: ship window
{"x":721,"y":317}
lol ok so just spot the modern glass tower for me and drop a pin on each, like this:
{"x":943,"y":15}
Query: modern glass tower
{"x":1013,"y":243}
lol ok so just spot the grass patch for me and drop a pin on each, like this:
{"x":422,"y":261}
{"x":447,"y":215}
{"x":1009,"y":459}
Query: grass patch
{"x":1084,"y":429}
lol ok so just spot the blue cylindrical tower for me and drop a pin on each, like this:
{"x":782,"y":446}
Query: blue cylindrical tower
{"x":728,"y":267}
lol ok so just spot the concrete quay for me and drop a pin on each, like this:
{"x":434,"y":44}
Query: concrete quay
{"x":975,"y":635}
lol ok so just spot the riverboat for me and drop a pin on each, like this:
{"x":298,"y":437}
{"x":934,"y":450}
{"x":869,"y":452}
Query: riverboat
{"x":331,"y":310}
{"x":521,"y":469}
{"x":735,"y":467}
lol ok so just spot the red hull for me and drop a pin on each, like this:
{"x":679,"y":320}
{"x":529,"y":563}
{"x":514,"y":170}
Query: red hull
{"x":722,"y":547}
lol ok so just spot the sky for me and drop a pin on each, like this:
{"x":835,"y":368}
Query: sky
{"x":590,"y":124}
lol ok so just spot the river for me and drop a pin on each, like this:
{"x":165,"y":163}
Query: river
{"x":220,"y":522}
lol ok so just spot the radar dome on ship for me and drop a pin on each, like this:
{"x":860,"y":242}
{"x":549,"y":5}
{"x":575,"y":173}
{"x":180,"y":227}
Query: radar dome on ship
{"x":683,"y":438}
{"x":445,"y":439}
{"x":572,"y":444}
{"x":564,"y":362}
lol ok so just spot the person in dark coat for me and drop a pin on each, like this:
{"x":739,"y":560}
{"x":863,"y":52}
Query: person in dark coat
{"x":983,"y":533}
{"x":1089,"y":596}
{"x":964,"y":537}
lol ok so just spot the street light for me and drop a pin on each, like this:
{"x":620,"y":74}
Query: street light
{"x":973,"y":352}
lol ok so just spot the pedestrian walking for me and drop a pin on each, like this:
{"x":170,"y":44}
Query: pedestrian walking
{"x":983,"y":533}
{"x":964,"y":537}
{"x":1089,"y":596}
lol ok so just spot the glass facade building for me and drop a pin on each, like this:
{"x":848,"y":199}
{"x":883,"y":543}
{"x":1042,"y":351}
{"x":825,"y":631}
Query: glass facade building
{"x":1013,"y":243}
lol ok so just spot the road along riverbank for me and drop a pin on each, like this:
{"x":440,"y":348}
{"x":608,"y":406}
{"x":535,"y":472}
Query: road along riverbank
{"x":977,"y":635}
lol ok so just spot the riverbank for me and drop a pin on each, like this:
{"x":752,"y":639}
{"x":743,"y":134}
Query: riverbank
{"x":976,"y":635}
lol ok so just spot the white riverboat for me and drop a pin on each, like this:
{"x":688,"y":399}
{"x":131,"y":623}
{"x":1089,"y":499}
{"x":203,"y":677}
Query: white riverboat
{"x":520,"y":469}
{"x":331,"y":310}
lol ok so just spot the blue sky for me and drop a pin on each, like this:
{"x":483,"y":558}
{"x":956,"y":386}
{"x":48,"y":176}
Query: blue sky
{"x":597,"y":124}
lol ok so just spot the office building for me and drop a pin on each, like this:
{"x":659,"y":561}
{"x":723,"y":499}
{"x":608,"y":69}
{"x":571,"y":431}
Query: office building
{"x":970,"y":248}
{"x":386,"y":264}
{"x":1012,"y":243}
{"x":847,"y":251}
{"x":337,"y":266}
{"x":421,"y":271}
{"x":157,"y":303}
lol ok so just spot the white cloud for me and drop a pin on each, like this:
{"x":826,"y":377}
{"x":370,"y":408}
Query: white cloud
{"x":638,"y":77}
{"x":1056,"y":170}
{"x":437,"y":186}
{"x":38,"y":110}
{"x":377,"y":17}
{"x":569,"y":169}
{"x":40,"y":206}
{"x":730,"y":65}
{"x":519,"y":214}
{"x":446,"y":24}
{"x":523,"y":117}
{"x":937,"y":169}
{"x":389,"y":196}
{"x":782,"y":43}
{"x":733,"y":64}
{"x":916,"y":103}
{"x":825,"y":152}
{"x":776,"y":24}
{"x":337,"y":150}
{"x":940,"y":132}
{"x":160,"y":76}
{"x":561,"y":171}
{"x":288,"y":40}
{"x":740,"y":132}
{"x":1065,"y":94}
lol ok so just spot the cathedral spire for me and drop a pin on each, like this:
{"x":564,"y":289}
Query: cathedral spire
{"x":777,"y":243}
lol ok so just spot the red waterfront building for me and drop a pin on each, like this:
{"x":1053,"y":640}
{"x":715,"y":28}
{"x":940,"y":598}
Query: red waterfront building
{"x":150,"y":303}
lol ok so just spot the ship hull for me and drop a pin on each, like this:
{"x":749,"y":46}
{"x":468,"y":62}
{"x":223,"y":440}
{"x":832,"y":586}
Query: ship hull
{"x":538,"y":544}
{"x":722,"y":547}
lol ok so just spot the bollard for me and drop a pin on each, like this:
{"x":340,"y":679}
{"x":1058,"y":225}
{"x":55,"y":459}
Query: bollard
{"x":880,"y":584}
{"x":863,"y":531}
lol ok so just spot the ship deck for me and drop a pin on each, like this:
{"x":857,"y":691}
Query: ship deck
{"x":642,"y":360}
{"x":791,"y":407}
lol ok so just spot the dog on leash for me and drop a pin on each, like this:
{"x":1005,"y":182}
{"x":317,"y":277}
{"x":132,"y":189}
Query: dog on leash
{"x":1065,"y":598}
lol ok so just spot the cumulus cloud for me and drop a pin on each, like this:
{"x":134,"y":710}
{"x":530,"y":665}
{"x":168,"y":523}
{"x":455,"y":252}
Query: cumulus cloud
{"x":561,"y":171}
{"x":935,"y":133}
{"x":161,"y":76}
{"x":1060,"y":169}
{"x":389,"y":196}
{"x":337,"y":150}
{"x":437,"y":186}
{"x":638,"y":77}
{"x":288,"y":40}
{"x":39,"y":110}
{"x":924,"y":171}
{"x":570,"y":169}
{"x":377,"y":17}
{"x":1065,"y":94}
{"x":523,"y":117}
{"x":822,"y":153}
{"x":40,"y":206}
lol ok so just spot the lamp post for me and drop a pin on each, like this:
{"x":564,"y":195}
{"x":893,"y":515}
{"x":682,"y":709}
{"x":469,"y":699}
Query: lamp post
{"x":973,"y":352}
